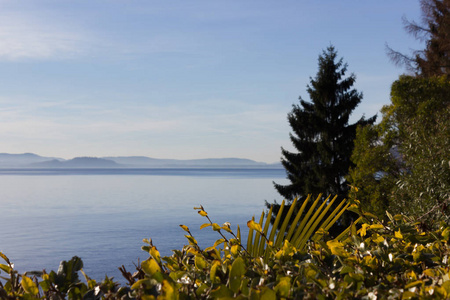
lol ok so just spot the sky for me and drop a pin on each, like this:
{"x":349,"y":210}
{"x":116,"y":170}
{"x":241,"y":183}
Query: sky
{"x":182,"y":79}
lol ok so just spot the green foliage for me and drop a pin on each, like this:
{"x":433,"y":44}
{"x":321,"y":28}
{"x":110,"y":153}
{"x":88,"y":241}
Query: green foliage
{"x":377,"y":168}
{"x":403,"y":163}
{"x":421,"y":109}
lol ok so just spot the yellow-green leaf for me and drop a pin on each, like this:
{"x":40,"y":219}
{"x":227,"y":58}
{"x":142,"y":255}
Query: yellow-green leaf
{"x":431,"y":272}
{"x":226,"y":227}
{"x":253,"y":225}
{"x":4,"y":257}
{"x":408,"y":295}
{"x":168,"y":291}
{"x":412,"y":284}
{"x":205,"y":225}
{"x":139,"y":283}
{"x":377,"y":238}
{"x":216,"y":227}
{"x":398,"y":235}
{"x":29,"y":286}
{"x":268,"y":294}
{"x":200,"y":263}
{"x":367,"y":214}
{"x":237,"y":271}
{"x":5,"y":268}
{"x":234,"y":250}
{"x":283,"y":287}
{"x":376,"y":226}
{"x":150,"y":266}
{"x":221,"y":292}
{"x":155,"y":254}
{"x":363,"y":230}
{"x":191,"y":240}
{"x":218,"y":242}
{"x":337,"y":248}
{"x":202,"y":213}
{"x":185,"y":228}
{"x":213,"y":271}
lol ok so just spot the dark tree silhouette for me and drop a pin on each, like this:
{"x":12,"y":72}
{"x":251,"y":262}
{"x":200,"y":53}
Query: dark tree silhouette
{"x":322,"y":134}
{"x":434,"y":30}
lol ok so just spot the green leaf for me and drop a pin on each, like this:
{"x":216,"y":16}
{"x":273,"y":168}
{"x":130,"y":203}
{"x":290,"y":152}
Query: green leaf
{"x":5,"y":268}
{"x":218,"y":242}
{"x":237,"y":271}
{"x":5,"y":258}
{"x":199,"y":262}
{"x":212,"y":273}
{"x":221,"y":292}
{"x":216,"y":227}
{"x":29,"y":286}
{"x":283,"y":287}
{"x":268,"y":294}
{"x":151,"y":267}
{"x":142,"y":282}
{"x":370,"y":215}
{"x":45,"y":284}
{"x":168,"y":291}
{"x":191,"y":240}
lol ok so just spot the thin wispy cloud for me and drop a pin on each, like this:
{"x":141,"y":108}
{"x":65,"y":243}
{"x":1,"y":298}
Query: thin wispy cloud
{"x":25,"y":36}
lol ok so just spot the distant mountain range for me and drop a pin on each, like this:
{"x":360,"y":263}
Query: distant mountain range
{"x":30,"y":160}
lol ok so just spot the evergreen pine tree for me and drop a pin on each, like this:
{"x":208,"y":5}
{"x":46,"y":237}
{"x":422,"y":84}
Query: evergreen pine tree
{"x":322,"y":134}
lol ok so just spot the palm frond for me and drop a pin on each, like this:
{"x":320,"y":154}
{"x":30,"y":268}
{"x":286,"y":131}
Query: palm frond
{"x":304,"y":227}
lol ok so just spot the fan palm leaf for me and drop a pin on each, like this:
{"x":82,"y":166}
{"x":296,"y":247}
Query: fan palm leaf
{"x":308,"y":224}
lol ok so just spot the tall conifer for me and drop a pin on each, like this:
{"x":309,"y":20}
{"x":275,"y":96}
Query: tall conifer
{"x":321,"y":133}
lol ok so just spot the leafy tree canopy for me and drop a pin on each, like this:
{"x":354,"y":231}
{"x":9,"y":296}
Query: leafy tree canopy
{"x":404,"y":162}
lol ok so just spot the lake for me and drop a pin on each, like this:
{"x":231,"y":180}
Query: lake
{"x":103,"y":215}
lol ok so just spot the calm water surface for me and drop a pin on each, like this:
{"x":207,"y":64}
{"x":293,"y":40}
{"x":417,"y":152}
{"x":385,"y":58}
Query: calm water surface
{"x":102,"y":216}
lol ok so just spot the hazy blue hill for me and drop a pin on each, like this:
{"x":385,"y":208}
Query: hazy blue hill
{"x":30,"y":160}
{"x":22,"y":160}
{"x":139,"y":160}
{"x":78,"y":162}
{"x":147,"y":162}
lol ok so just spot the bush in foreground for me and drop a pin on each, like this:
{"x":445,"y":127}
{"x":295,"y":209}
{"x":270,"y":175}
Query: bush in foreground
{"x":370,"y":260}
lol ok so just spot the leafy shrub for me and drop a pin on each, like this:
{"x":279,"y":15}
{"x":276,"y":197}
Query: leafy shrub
{"x":370,"y":260}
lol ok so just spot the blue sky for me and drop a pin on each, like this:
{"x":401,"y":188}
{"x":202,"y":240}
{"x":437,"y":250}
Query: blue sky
{"x":181,"y":79}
